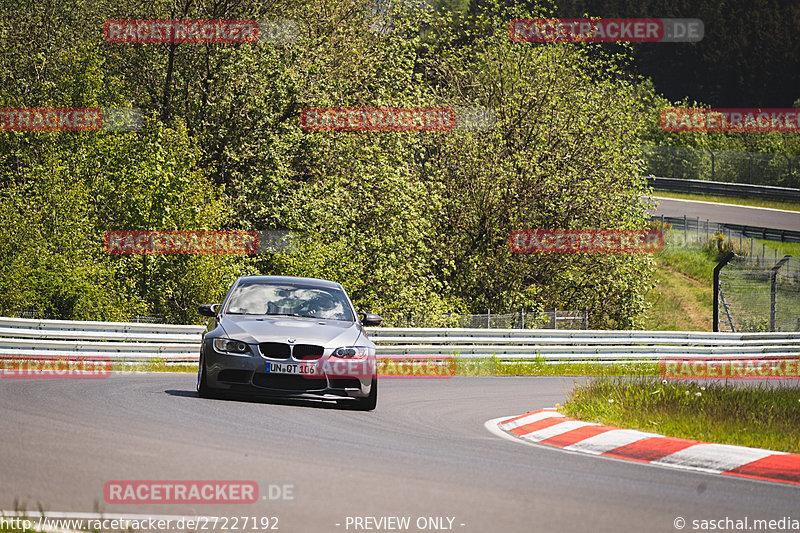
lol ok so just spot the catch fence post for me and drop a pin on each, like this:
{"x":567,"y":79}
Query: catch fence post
{"x":720,"y":265}
{"x":773,"y":291}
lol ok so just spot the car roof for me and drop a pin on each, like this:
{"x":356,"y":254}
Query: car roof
{"x":290,"y":279}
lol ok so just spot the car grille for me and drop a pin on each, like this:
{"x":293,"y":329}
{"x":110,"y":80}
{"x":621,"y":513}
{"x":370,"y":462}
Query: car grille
{"x":288,"y":382}
{"x":280,"y":350}
{"x":275,"y":350}
{"x":307,"y":351}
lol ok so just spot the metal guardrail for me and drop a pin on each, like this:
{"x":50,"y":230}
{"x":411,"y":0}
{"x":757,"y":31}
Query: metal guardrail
{"x":753,"y":232}
{"x":118,"y":341}
{"x":722,"y":188}
{"x":126,"y":342}
{"x":510,"y":344}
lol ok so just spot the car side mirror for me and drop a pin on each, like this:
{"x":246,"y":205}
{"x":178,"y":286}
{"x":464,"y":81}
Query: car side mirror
{"x":208,"y":309}
{"x":371,"y":319}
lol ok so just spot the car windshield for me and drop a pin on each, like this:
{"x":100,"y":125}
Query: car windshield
{"x":289,"y":300}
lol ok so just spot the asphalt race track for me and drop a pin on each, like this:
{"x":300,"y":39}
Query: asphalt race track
{"x":728,"y":213}
{"x":423,"y":452}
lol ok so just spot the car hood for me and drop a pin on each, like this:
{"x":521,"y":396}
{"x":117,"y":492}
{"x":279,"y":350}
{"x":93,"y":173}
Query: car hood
{"x":327,"y":333}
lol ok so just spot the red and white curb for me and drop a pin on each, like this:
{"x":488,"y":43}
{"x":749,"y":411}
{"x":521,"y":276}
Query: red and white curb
{"x":549,"y":427}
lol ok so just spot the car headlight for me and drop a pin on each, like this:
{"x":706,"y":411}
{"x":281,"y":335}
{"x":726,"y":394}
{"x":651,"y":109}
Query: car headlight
{"x":231,"y":346}
{"x":354,"y":352}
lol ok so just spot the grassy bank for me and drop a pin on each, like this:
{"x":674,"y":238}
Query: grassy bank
{"x":538,"y":367}
{"x":784,"y":248}
{"x":682,"y":298}
{"x":759,"y":416}
{"x":474,"y":367}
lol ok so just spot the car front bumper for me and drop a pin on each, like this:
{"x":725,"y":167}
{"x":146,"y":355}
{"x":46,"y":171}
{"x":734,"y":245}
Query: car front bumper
{"x":247,"y":374}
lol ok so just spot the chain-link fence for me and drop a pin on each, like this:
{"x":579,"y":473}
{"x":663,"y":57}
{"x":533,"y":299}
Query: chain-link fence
{"x":697,"y":232}
{"x":759,"y":289}
{"x":146,"y":319}
{"x":780,"y":170}
{"x":521,"y":319}
{"x":27,"y":313}
{"x":760,"y":295}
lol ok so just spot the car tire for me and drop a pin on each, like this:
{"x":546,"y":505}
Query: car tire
{"x":203,"y":390}
{"x":370,"y":402}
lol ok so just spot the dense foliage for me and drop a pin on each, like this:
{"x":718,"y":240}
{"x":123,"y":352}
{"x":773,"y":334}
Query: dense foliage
{"x":405,"y":220}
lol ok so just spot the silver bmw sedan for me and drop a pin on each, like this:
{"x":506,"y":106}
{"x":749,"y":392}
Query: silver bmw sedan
{"x":288,"y":337}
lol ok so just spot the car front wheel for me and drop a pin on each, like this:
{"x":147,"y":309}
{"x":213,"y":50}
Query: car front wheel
{"x":203,"y":389}
{"x":368,"y":403}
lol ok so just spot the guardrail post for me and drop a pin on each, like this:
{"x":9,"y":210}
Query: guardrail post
{"x":773,"y":290}
{"x":751,"y":166}
{"x":720,"y":265}
{"x":585,"y":323}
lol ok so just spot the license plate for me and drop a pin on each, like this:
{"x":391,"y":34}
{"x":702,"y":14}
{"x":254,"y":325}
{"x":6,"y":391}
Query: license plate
{"x":300,"y":369}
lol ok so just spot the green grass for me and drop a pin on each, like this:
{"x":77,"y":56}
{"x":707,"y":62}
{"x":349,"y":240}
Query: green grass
{"x":479,"y":367}
{"x":758,"y":416}
{"x":539,"y":367}
{"x":154,"y":365}
{"x":693,"y":262}
{"x":678,"y":304}
{"x":751,"y":201}
{"x":682,"y":298}
{"x":784,"y":248}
